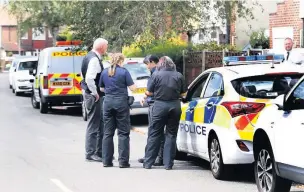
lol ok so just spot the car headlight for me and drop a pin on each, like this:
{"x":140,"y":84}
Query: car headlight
{"x":23,"y":80}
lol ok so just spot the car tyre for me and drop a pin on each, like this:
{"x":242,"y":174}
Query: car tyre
{"x":84,"y":111}
{"x":265,"y":174}
{"x":44,"y":107}
{"x":10,"y":86}
{"x":218,"y":168}
{"x":35,"y":104}
{"x":13,"y":90}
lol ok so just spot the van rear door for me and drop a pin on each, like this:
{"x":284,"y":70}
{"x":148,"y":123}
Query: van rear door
{"x":61,"y":73}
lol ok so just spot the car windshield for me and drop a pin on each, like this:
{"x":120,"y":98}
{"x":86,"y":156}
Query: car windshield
{"x":137,"y":70}
{"x":265,"y":86}
{"x":27,"y":65}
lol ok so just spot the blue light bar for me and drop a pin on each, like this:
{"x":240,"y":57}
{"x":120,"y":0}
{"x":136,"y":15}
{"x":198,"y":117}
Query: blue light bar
{"x":253,"y":58}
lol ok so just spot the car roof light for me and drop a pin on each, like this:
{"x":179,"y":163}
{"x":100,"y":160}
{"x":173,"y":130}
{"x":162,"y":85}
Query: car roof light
{"x":65,"y":43}
{"x":254,"y":59}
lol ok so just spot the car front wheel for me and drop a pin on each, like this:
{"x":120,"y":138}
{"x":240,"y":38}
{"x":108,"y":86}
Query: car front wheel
{"x":265,"y":174}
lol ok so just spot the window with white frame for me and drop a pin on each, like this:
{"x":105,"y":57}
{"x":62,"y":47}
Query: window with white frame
{"x":38,"y":34}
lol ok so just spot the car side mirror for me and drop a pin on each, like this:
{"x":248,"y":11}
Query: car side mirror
{"x":279,"y":101}
{"x":32,"y":72}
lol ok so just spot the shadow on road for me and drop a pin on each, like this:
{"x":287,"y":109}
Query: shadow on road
{"x":68,"y":111}
{"x":139,"y":120}
{"x":239,"y":173}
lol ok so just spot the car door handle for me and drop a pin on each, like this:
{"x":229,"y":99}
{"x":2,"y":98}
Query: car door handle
{"x":209,"y":105}
{"x":78,"y":75}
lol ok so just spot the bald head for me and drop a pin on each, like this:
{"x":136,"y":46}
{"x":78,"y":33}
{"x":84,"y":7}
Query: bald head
{"x":288,"y":44}
{"x":100,"y":45}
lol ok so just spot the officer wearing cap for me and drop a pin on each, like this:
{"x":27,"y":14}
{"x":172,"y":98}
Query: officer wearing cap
{"x":167,"y":86}
{"x":151,"y":62}
{"x":114,"y":81}
{"x":92,"y":97}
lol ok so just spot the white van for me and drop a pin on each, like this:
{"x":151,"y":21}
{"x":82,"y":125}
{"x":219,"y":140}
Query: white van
{"x":57,"y":78}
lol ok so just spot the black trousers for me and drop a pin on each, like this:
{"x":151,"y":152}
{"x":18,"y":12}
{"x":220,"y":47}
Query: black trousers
{"x":164,"y":113}
{"x":162,"y":141}
{"x":116,"y":115}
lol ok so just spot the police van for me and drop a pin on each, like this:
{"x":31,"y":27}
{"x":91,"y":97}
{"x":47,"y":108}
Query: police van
{"x":57,"y":77}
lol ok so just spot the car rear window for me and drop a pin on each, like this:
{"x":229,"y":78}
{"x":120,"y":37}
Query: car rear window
{"x":137,"y":70}
{"x":265,"y":86}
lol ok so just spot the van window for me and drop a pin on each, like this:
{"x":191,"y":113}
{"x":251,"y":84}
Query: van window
{"x":265,"y":86}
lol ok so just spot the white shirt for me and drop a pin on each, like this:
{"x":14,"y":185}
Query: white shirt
{"x":93,"y":69}
{"x":294,"y":57}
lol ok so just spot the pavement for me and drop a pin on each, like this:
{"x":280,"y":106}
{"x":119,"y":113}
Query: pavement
{"x":45,"y":153}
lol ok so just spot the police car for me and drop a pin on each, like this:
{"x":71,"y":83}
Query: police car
{"x":57,"y":77}
{"x":278,"y":142}
{"x":140,"y":75}
{"x":223,"y":104}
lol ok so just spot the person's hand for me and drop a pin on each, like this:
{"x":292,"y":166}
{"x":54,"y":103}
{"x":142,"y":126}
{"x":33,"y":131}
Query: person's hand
{"x":96,"y":97}
{"x":142,"y":102}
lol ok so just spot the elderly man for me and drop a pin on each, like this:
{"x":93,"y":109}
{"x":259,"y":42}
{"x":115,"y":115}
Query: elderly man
{"x":167,"y":86}
{"x":91,"y":70}
{"x":292,"y":56}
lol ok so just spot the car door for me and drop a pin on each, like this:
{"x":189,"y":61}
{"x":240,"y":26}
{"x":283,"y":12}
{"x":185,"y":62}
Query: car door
{"x":188,"y":134}
{"x":206,"y":109}
{"x":289,"y":130}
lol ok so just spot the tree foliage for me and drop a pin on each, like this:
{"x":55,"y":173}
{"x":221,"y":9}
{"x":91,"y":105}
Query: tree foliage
{"x":258,"y":39}
{"x":123,"y":22}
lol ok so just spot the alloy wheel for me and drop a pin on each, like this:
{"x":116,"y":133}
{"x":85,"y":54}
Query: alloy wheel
{"x":215,"y":156}
{"x":264,"y":170}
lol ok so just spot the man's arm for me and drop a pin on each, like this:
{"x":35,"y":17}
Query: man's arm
{"x":183,"y":87}
{"x":93,"y":69}
{"x":151,"y":85}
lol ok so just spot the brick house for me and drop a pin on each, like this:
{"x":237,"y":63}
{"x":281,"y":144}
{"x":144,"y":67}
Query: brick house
{"x":31,"y":41}
{"x":286,"y":22}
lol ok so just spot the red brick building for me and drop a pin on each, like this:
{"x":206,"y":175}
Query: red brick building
{"x":286,"y":22}
{"x":30,"y":42}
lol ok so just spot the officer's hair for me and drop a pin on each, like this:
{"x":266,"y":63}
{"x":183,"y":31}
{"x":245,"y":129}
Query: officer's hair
{"x":166,"y":63}
{"x":99,"y":42}
{"x":116,"y":58}
{"x":288,"y":38}
{"x":150,"y":58}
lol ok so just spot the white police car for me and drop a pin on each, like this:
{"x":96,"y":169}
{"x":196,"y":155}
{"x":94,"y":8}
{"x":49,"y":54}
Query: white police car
{"x":223,"y":104}
{"x":278,"y":142}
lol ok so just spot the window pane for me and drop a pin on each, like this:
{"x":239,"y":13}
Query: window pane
{"x":214,"y":86}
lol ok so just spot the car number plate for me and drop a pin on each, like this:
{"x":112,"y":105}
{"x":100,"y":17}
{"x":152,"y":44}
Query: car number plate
{"x":140,"y":90}
{"x":61,"y":83}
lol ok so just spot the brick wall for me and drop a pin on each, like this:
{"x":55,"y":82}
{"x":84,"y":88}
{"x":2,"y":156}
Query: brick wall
{"x":287,"y":15}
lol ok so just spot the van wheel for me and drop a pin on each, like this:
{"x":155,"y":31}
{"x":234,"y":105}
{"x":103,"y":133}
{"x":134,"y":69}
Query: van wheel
{"x":35,"y":104}
{"x":13,"y":90}
{"x":10,"y":86}
{"x":84,"y":111}
{"x":44,"y":107}
{"x":265,"y":174}
{"x":218,"y":168}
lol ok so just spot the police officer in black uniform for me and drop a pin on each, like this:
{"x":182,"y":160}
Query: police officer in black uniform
{"x":92,"y":96}
{"x":114,"y":81}
{"x":167,"y":86}
{"x":151,"y":62}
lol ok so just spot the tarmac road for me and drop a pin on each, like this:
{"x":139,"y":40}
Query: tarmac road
{"x":45,"y":153}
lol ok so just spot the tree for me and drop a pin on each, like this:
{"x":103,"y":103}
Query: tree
{"x":123,"y":22}
{"x":258,"y":39}
{"x":40,"y":14}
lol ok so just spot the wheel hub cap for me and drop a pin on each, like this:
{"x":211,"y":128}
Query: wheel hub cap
{"x":264,"y":170}
{"x":215,"y":156}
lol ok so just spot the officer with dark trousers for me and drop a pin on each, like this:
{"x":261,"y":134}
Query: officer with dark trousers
{"x":92,"y":96}
{"x":167,"y":86}
{"x":114,"y":81}
{"x":151,"y":62}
